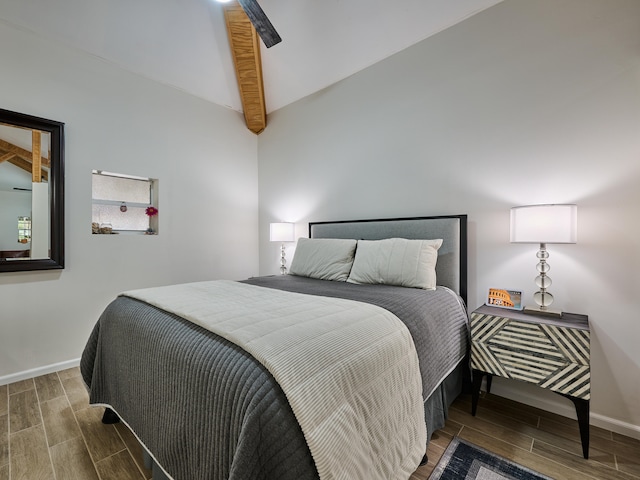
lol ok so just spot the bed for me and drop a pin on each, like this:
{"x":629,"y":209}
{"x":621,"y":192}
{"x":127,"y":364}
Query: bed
{"x":205,"y":408}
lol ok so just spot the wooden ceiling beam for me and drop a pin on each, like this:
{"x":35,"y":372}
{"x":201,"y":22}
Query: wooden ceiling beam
{"x":26,"y":166}
{"x":22,"y":153}
{"x":22,"y":159}
{"x":7,"y":156}
{"x":36,"y":163}
{"x":245,"y":50}
{"x":21,"y":163}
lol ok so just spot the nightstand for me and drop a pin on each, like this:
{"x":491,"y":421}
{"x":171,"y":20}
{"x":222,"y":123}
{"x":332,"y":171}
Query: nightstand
{"x":552,"y":353}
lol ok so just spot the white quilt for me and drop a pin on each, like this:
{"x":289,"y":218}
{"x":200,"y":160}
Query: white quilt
{"x":348,"y":369}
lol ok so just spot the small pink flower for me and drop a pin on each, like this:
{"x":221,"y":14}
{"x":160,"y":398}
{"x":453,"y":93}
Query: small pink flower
{"x":151,"y":211}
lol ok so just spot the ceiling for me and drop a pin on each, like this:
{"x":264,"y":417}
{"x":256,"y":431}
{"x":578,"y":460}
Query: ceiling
{"x":183,"y":43}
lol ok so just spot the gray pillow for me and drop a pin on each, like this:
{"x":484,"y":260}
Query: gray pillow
{"x":323,"y":258}
{"x":396,"y":261}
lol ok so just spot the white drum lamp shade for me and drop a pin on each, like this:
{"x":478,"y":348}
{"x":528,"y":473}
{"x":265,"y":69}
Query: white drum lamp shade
{"x":282,"y":232}
{"x":544,"y":224}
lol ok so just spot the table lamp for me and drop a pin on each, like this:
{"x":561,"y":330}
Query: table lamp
{"x":544,"y":224}
{"x":282,"y":232}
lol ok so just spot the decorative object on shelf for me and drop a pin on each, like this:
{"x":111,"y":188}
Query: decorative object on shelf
{"x":123,"y":207}
{"x":498,"y":297}
{"x":151,"y":211}
{"x":102,"y":229}
{"x":282,"y":232}
{"x":543,"y":224}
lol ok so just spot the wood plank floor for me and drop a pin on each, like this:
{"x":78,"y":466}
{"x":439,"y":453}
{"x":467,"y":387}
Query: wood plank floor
{"x":49,"y":432}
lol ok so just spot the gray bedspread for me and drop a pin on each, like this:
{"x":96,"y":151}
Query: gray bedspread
{"x":206,"y":409}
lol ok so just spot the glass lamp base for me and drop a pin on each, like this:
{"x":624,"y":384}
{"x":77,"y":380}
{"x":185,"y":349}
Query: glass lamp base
{"x":283,"y":261}
{"x":543,"y":298}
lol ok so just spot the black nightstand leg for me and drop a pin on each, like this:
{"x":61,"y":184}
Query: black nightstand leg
{"x":475,"y":392}
{"x":582,"y":411}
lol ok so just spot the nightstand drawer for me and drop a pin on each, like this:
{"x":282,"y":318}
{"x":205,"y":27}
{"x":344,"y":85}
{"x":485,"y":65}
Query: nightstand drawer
{"x":552,"y":355}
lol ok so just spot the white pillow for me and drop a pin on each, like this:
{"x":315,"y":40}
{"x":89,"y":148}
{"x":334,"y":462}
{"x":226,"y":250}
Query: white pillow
{"x":396,"y":261}
{"x":323,"y":258}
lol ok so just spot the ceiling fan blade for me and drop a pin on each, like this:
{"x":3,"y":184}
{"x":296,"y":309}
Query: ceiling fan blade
{"x":260,"y":22}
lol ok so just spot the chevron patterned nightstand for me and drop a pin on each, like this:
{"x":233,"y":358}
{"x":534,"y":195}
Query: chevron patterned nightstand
{"x":552,"y":353}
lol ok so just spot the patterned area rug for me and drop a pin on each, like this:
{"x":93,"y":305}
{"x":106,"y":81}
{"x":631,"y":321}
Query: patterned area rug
{"x":464,"y":460}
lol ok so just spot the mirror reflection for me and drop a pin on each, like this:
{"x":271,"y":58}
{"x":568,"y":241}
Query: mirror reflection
{"x":17,"y":179}
{"x":31,"y":193}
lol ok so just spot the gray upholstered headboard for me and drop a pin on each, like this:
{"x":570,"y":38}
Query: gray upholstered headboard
{"x":451,"y":269}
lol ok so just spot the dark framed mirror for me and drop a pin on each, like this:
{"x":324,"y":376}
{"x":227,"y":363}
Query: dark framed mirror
{"x":31,"y":193}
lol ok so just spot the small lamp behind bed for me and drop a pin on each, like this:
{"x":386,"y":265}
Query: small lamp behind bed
{"x":282,"y":232}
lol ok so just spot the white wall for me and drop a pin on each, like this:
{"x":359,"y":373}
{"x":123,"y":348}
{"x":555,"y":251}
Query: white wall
{"x":202,"y":154}
{"x":527,"y":102}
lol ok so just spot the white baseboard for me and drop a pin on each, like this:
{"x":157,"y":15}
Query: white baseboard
{"x":36,"y":372}
{"x":545,"y":400}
